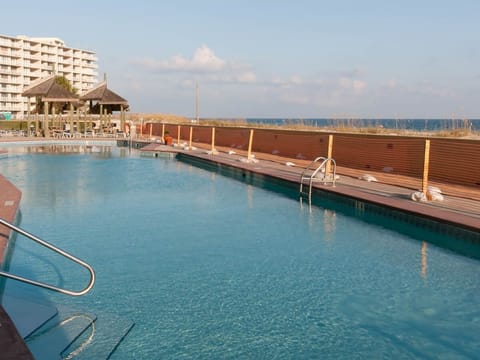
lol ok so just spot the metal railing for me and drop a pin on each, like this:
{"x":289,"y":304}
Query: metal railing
{"x":325,"y":173}
{"x":57,"y":250}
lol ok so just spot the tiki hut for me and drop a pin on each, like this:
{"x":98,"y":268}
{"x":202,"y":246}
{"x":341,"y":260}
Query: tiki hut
{"x":48,"y":91}
{"x":104,"y":101}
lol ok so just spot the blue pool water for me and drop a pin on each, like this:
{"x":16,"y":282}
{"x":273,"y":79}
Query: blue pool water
{"x":210,"y":267}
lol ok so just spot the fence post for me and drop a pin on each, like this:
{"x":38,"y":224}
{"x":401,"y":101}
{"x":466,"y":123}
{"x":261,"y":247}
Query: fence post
{"x":190,"y":139}
{"x":213,"y":139}
{"x":426,"y":163}
{"x":329,"y":154}
{"x":250,"y":141}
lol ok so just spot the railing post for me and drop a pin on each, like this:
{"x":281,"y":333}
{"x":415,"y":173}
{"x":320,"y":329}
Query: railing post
{"x":250,"y":142}
{"x":329,"y":154}
{"x":426,"y":163}
{"x":190,"y":138}
{"x":213,"y":139}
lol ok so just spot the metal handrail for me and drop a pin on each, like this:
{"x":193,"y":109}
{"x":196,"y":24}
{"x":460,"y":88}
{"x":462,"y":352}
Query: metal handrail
{"x":310,"y":165}
{"x":57,"y":250}
{"x":311,"y":177}
{"x":319,"y":168}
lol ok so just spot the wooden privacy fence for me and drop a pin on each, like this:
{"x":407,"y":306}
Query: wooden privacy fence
{"x":455,"y":161}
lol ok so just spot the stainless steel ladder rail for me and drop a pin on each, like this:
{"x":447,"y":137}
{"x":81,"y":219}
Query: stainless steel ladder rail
{"x":57,"y":250}
{"x":311,"y":177}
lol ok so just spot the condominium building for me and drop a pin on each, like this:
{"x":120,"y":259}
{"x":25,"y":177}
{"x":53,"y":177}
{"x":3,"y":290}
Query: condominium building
{"x":24,"y":60}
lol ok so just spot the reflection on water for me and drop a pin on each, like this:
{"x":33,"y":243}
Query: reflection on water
{"x":329,"y":221}
{"x":250,"y":196}
{"x":104,"y":151}
{"x":423,"y":253}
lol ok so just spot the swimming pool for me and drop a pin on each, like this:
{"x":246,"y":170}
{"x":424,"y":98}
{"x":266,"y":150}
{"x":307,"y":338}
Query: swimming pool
{"x":210,"y":267}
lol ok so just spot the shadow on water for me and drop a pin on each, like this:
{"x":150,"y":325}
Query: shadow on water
{"x":456,"y":239}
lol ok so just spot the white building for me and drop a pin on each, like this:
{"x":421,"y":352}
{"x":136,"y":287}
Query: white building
{"x":24,"y":60}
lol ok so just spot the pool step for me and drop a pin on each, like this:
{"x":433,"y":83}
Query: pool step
{"x":60,"y":332}
{"x":107,"y":333}
{"x":73,"y":334}
{"x":27,"y":316}
{"x":49,"y":341}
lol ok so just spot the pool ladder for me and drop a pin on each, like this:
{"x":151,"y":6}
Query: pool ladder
{"x":57,"y":250}
{"x":324,"y":172}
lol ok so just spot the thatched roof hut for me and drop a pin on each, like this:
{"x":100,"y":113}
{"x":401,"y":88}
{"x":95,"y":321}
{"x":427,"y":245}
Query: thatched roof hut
{"x":105,"y":97}
{"x":106,"y":102}
{"x":51,"y":94}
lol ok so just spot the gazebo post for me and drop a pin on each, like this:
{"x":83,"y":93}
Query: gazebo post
{"x":122,"y":119}
{"x":54,"y":120}
{"x":71,"y":119}
{"x":45,"y":120}
{"x":28,"y":116}
{"x":89,"y":120}
{"x":78,"y":120}
{"x":36,"y":124}
{"x":106,"y":118}
{"x":101,"y":118}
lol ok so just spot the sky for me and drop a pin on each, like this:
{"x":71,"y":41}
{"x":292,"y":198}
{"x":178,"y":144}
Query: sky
{"x":274,"y":58}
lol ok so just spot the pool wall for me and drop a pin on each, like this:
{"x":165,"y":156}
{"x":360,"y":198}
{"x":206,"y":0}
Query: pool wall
{"x":466,"y":239}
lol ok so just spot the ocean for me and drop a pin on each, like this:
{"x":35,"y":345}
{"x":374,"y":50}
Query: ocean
{"x":420,"y":125}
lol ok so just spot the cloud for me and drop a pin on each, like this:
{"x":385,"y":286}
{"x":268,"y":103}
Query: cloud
{"x":352,"y":84}
{"x":204,"y":60}
{"x":327,"y":90}
{"x":205,"y":65}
